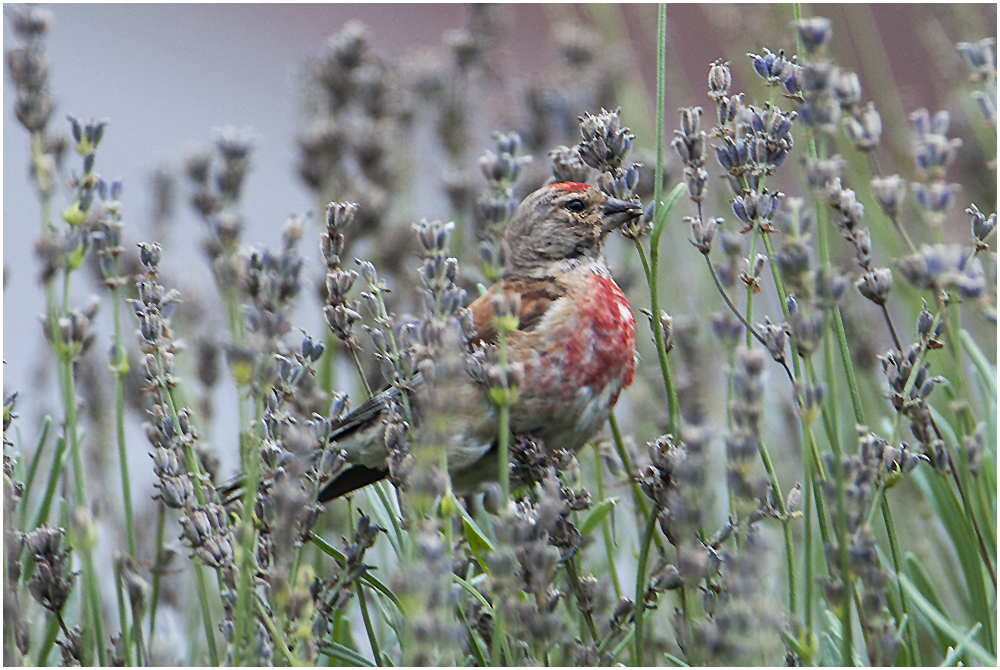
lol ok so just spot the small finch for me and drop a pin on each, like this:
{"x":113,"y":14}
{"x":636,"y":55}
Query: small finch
{"x":575,"y":340}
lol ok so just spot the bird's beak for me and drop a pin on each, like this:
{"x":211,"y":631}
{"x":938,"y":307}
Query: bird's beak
{"x":617,"y":213}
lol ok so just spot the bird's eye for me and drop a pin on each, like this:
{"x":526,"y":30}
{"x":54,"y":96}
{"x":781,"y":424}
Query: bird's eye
{"x":575,"y":205}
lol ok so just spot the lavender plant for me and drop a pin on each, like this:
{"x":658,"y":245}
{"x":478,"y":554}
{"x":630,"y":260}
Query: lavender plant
{"x":817,"y":484}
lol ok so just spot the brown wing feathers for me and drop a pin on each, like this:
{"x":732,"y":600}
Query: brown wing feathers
{"x":536,"y":297}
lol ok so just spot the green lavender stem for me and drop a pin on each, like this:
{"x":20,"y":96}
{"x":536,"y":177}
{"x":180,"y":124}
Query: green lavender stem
{"x":640,"y":587}
{"x":574,"y":578}
{"x":154,"y":598}
{"x":194,"y":467}
{"x":36,"y":460}
{"x":120,"y":368}
{"x":650,"y":267}
{"x":122,"y":616}
{"x":245,"y":592}
{"x":605,"y":524}
{"x":372,"y":640}
{"x":637,"y":496}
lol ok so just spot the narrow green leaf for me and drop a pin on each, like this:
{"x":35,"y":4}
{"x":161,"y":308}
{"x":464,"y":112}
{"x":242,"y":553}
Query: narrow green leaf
{"x":45,"y":505}
{"x":918,"y":576}
{"x":829,"y":651}
{"x":676,"y":661}
{"x":479,"y":545}
{"x":382,"y":513}
{"x":987,"y":370}
{"x":475,"y":594}
{"x":835,"y":636}
{"x":369,"y":580}
{"x":947,"y":430}
{"x":345,"y":655}
{"x":623,"y":644}
{"x":941,"y":498}
{"x":805,"y":649}
{"x":478,"y":542}
{"x":36,"y":459}
{"x":476,"y":643}
{"x":956,"y":653}
{"x":597,"y":515}
{"x":663,"y":213}
{"x":942,"y":622}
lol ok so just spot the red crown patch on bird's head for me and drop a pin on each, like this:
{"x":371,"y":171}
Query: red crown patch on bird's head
{"x":571,"y":186}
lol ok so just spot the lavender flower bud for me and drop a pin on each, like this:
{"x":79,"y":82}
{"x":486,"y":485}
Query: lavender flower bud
{"x":875,"y":285}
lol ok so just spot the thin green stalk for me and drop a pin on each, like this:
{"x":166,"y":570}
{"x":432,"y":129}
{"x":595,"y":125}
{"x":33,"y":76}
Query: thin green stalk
{"x":194,"y":467}
{"x":51,"y":633}
{"x":120,"y":368}
{"x":122,"y":615}
{"x":845,"y":358}
{"x":372,"y":640}
{"x":605,"y":524}
{"x":93,"y":596}
{"x":807,"y":604}
{"x":650,"y":267}
{"x":911,"y":627}
{"x":847,"y":631}
{"x":397,"y":529}
{"x":504,"y":410}
{"x":154,"y":598}
{"x":245,"y":594}
{"x":143,"y":659}
{"x":498,"y":637}
{"x":640,"y":587}
{"x":661,"y":212}
{"x":661,"y":78}
{"x":361,"y":373}
{"x":821,"y":514}
{"x":673,"y":403}
{"x":91,"y":600}
{"x":58,"y":462}
{"x":206,"y":614}
{"x":903,"y":234}
{"x":782,"y":299}
{"x":324,"y":373}
{"x":71,"y":435}
{"x":789,"y":549}
{"x":574,"y":578}
{"x":277,"y":637}
{"x":749,"y":311}
{"x":676,"y":661}
{"x":36,"y":460}
{"x":637,"y":495}
{"x":831,"y":408}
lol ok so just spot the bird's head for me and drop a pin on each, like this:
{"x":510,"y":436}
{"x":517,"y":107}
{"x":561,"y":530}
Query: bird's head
{"x":561,"y":225}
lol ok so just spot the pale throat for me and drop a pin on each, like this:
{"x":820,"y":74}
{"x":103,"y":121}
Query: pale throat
{"x":572,"y":271}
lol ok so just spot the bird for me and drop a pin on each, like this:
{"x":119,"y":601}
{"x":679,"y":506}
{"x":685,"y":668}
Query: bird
{"x":575,"y":339}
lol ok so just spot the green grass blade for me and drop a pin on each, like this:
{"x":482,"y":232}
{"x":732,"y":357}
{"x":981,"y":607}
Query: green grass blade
{"x":663,"y":213}
{"x":942,"y":500}
{"x":986,"y":370}
{"x":474,"y":593}
{"x":480,"y":544}
{"x":942,"y":623}
{"x":36,"y":459}
{"x":345,"y":655}
{"x":956,"y":653}
{"x":597,"y":515}
{"x":918,"y":576}
{"x":374,"y":583}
